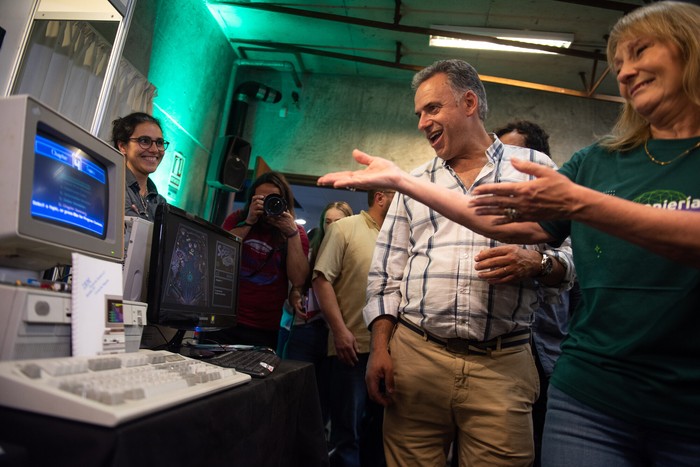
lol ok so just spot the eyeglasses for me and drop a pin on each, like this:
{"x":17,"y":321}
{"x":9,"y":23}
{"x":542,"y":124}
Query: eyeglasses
{"x":145,"y":142}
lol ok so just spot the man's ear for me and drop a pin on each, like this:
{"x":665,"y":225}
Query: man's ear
{"x":378,"y":198}
{"x":471,"y":102}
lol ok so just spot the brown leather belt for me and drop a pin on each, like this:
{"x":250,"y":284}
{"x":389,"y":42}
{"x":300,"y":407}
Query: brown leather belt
{"x":469,"y":346}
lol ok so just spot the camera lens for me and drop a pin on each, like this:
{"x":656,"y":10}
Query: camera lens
{"x":274,"y":205}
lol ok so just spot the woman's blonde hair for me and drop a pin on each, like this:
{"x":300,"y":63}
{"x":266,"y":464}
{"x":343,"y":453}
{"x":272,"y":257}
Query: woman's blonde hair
{"x":672,"y":22}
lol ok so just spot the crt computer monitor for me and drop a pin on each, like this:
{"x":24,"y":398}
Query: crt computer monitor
{"x":194,"y":273}
{"x":61,"y":189}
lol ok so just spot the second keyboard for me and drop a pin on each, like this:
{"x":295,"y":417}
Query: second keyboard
{"x":257,"y":363}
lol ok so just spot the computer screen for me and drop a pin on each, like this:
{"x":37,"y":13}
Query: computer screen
{"x":61,"y":189}
{"x":80,"y":200}
{"x":194,"y":272}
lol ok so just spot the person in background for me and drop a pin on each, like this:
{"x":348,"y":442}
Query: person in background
{"x":339,"y":283}
{"x":525,"y":135}
{"x":624,"y":391}
{"x":551,"y":323}
{"x":303,"y":331}
{"x":274,"y":257}
{"x":139,"y":137}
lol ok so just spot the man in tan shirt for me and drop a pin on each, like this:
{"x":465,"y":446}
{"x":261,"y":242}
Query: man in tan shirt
{"x":340,"y":284}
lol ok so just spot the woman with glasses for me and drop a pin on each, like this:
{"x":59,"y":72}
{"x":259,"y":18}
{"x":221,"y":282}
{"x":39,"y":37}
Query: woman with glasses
{"x":139,"y":137}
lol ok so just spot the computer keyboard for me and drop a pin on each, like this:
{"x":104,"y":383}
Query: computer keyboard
{"x":257,"y":363}
{"x":110,"y":389}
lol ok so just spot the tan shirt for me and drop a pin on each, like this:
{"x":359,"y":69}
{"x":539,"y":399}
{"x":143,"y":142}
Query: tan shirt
{"x":343,"y":259}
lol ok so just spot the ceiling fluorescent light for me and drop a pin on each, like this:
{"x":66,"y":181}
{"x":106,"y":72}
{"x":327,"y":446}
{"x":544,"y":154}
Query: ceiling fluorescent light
{"x":552,"y":39}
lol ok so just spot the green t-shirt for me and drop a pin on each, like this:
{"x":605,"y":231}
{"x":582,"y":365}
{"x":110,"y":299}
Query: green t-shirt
{"x":633,"y":349}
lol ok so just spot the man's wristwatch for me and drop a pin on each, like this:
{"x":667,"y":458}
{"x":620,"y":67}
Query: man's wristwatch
{"x":546,"y":265}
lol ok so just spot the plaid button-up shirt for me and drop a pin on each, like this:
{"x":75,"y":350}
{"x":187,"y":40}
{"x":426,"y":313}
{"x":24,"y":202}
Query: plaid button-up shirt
{"x":423,"y":264}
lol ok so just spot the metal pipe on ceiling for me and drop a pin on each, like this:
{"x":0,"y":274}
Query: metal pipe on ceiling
{"x":328,"y":53}
{"x":242,"y":96}
{"x":608,"y":5}
{"x":405,"y":29}
{"x":276,"y":64}
{"x":415,"y":68}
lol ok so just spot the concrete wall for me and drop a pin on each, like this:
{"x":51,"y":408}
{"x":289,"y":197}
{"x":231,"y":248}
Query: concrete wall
{"x":572,"y":122}
{"x":182,"y":51}
{"x":335,"y":114}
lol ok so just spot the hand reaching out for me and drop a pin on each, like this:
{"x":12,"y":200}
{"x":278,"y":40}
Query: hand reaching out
{"x":550,"y":196}
{"x":379,"y":173}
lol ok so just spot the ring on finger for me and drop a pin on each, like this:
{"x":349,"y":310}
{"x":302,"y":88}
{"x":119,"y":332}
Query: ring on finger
{"x":511,"y":213}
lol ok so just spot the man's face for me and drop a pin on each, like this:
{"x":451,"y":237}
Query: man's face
{"x":441,"y":116}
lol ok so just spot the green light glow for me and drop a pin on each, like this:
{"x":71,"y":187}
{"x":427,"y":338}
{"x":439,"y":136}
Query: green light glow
{"x":190,"y":66}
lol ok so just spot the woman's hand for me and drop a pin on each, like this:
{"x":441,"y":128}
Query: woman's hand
{"x":296,"y":301}
{"x":256,"y":211}
{"x":285,"y":222}
{"x":550,"y":196}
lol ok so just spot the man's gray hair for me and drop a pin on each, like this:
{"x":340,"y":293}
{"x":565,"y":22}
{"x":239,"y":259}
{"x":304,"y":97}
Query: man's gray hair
{"x":462,"y":78}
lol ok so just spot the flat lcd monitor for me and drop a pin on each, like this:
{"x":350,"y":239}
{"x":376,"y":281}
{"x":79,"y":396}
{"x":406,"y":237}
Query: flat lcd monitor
{"x":61,"y":189}
{"x":194,"y":273}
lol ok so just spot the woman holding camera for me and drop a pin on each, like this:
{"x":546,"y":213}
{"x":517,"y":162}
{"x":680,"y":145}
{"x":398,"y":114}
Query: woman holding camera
{"x":274,"y":256}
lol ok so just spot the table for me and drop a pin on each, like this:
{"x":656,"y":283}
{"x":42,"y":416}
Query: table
{"x":274,"y":421}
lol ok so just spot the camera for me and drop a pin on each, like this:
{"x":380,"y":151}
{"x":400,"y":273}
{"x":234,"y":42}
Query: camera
{"x":274,"y":205}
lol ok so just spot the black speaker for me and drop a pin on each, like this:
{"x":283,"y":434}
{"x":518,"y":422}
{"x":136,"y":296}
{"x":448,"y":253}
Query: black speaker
{"x":234,"y":167}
